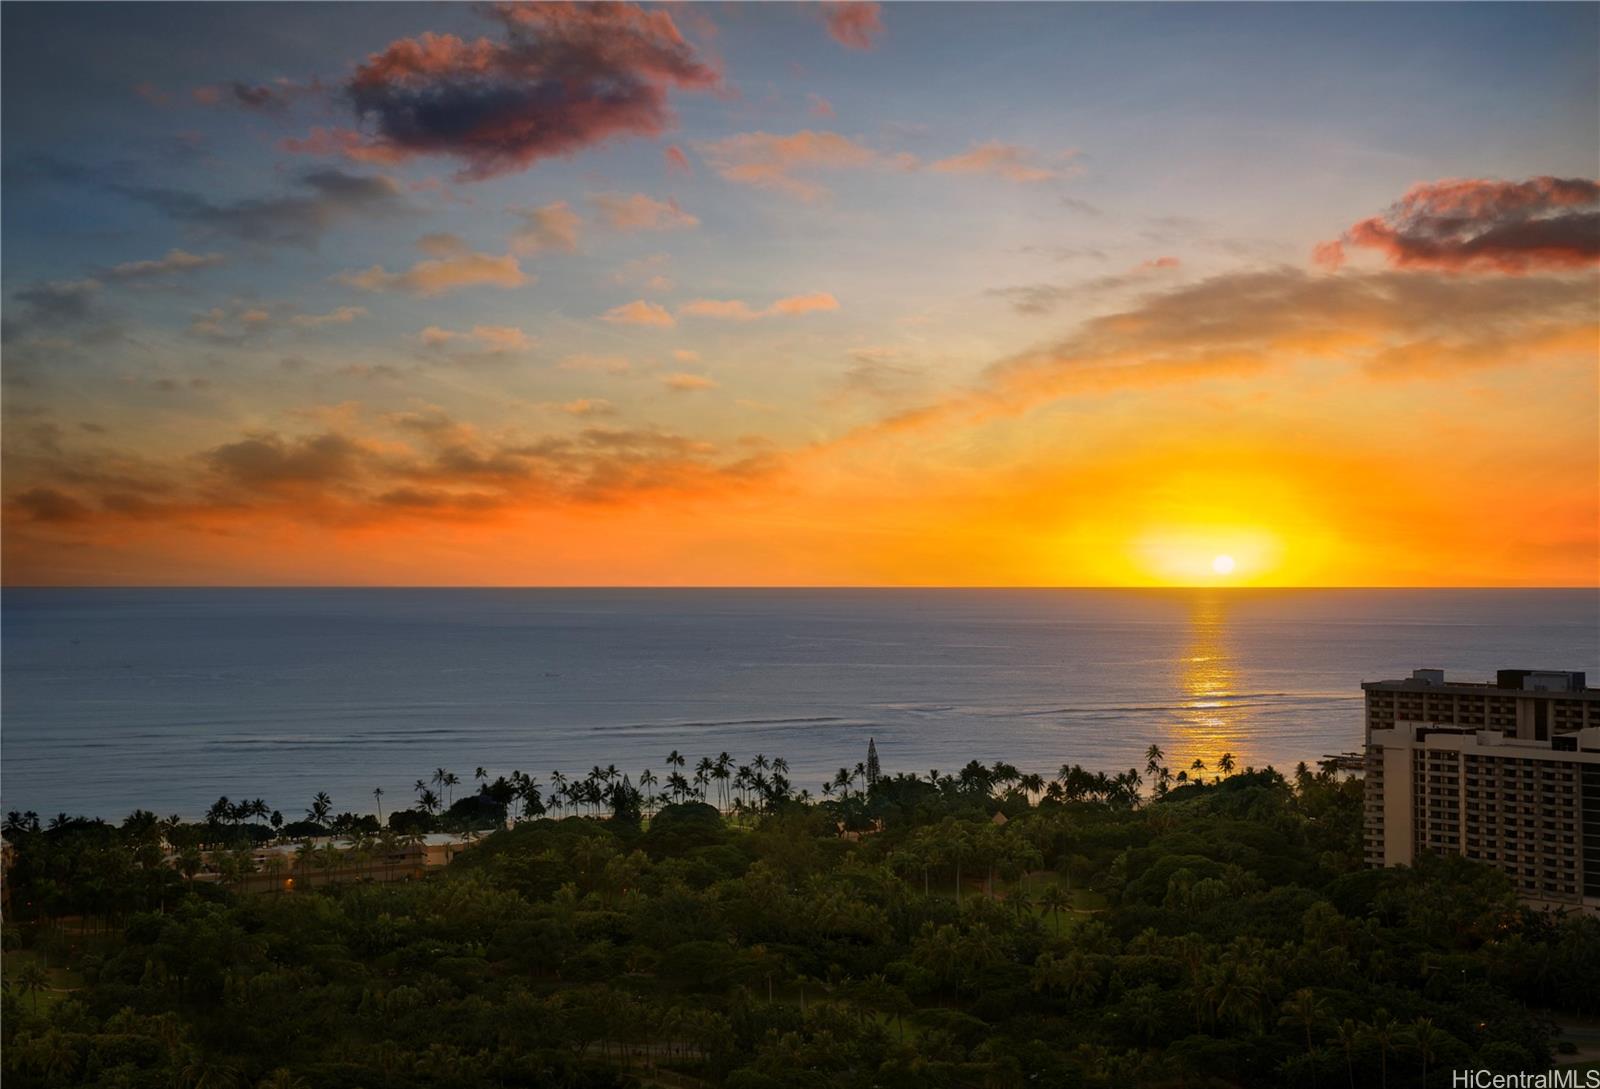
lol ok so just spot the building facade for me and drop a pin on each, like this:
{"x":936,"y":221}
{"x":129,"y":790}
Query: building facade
{"x":1506,"y":773}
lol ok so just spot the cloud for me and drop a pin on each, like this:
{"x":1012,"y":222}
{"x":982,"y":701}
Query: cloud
{"x":267,"y":461}
{"x":817,"y":106}
{"x":1476,"y":224}
{"x":50,"y":505}
{"x":586,"y":406}
{"x":688,"y":383}
{"x":1009,"y":161}
{"x":342,"y":315}
{"x":640,"y":312}
{"x":1384,"y":324}
{"x":327,"y":198}
{"x":553,"y":226}
{"x":1035,"y":299}
{"x":815,"y":303}
{"x":493,"y":339}
{"x":770,"y":161}
{"x":561,"y":78}
{"x":60,"y":302}
{"x":853,"y":24}
{"x":677,"y":161}
{"x":152,"y":94}
{"x":236,"y":323}
{"x":878,"y":373}
{"x":614,"y":365}
{"x":787,"y":164}
{"x":443,"y":244}
{"x":174,"y":262}
{"x":637,"y":212}
{"x":739,"y":310}
{"x":686,"y":355}
{"x":648,"y":271}
{"x":441,"y":275}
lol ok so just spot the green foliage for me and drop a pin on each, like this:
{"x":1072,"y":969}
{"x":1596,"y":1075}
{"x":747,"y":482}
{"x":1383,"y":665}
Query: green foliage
{"x":892,"y":936}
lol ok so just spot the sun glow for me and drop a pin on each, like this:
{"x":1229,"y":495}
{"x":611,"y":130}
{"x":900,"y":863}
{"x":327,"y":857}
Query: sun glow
{"x":1210,"y":556}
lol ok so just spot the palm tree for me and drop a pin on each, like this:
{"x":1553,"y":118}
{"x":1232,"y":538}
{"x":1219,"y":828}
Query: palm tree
{"x":377,"y":796}
{"x":1427,"y":1038}
{"x":31,"y":980}
{"x":1305,"y":1009}
{"x":722,"y":771}
{"x":1053,"y":899}
{"x":1198,"y":766}
{"x":1382,"y":1031}
{"x":451,"y":780}
{"x":1225,"y":764}
{"x":1152,"y":759}
{"x":321,"y":806}
{"x":480,"y":775}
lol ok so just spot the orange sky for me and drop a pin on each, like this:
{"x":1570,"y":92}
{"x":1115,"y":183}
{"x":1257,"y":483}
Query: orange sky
{"x":797,"y":327}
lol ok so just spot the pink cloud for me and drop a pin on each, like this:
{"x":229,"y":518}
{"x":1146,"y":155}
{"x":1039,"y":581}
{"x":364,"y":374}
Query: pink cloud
{"x":1480,"y":224}
{"x":819,"y":106}
{"x":853,"y":24}
{"x":677,"y":161}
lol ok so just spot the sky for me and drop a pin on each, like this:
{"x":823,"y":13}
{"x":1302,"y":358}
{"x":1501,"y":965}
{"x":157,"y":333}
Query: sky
{"x":801,"y":294}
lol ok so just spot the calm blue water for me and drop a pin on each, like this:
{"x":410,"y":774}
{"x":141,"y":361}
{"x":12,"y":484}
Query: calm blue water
{"x":167,"y":698}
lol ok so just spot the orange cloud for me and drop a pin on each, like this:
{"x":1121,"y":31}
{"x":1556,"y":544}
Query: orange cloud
{"x":688,"y":383}
{"x":640,"y":312}
{"x":739,"y":310}
{"x":553,"y":226}
{"x":439,"y":276}
{"x":770,"y":161}
{"x":493,"y":339}
{"x":1008,"y":161}
{"x":637,"y":212}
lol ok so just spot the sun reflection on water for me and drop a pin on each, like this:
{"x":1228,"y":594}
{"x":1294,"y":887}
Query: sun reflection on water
{"x":1212,"y":722}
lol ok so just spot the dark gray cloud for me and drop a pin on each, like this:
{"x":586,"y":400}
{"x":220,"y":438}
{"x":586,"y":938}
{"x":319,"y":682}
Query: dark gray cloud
{"x":325,"y":198}
{"x":562,"y":77}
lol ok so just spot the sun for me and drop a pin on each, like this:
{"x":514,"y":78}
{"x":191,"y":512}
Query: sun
{"x":1222,"y":565}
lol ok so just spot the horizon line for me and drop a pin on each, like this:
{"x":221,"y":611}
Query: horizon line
{"x":758,"y":586}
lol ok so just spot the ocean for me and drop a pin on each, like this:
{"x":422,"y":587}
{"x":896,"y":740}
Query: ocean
{"x":165,"y":699}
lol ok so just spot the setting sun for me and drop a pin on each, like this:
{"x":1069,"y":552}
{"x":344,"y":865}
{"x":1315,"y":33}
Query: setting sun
{"x":1222,"y":565}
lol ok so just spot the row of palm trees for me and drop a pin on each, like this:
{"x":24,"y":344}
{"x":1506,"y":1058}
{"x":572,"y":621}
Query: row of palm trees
{"x":730,"y":786}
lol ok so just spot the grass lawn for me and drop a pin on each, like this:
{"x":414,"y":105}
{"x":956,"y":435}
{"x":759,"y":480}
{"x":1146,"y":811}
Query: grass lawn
{"x":61,"y":980}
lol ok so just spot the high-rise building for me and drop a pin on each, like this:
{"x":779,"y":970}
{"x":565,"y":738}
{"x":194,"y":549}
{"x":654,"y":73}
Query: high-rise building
{"x":1506,"y":773}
